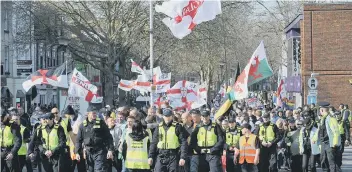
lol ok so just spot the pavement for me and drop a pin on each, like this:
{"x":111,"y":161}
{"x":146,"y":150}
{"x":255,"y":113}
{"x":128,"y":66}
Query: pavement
{"x":346,"y":162}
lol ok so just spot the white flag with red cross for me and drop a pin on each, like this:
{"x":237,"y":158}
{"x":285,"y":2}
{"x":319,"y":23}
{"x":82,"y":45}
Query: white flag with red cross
{"x":185,"y":91}
{"x":142,"y":85}
{"x":81,"y":87}
{"x":148,"y":73}
{"x":184,"y":15}
{"x":162,"y":82}
{"x":126,"y":85}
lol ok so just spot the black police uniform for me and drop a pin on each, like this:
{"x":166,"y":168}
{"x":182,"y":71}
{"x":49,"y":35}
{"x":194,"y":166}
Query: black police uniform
{"x":11,"y":165}
{"x":97,"y":140}
{"x":50,"y":164}
{"x":328,"y":154}
{"x":33,"y":148}
{"x":209,"y":160}
{"x":167,"y":159}
{"x":308,"y":159}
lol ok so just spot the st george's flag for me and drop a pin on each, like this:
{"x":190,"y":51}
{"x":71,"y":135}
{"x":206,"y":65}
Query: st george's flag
{"x":54,"y":77}
{"x":80,"y":86}
{"x":185,"y":15}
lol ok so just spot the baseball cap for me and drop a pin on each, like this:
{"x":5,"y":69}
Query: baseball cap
{"x":167,"y":112}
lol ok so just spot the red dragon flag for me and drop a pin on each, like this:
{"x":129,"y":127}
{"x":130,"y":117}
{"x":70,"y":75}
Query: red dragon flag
{"x":184,"y":15}
{"x":55,"y":77}
{"x":260,"y":68}
{"x":80,"y":86}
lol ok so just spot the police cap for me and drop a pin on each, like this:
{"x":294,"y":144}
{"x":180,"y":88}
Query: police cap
{"x":324,"y":104}
{"x":69,"y":110}
{"x":291,"y":120}
{"x":205,"y":113}
{"x":48,"y":116}
{"x":266,"y":115}
{"x":91,"y":108}
{"x":167,"y":112}
{"x":195,"y":111}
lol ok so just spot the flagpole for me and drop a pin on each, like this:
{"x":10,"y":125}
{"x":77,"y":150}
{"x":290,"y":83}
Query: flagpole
{"x":151,"y":47}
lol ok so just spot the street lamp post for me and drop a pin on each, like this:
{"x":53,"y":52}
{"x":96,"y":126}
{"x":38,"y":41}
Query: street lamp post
{"x":63,"y":43}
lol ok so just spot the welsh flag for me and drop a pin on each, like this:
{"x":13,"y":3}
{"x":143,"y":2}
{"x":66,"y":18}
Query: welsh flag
{"x":184,"y":15}
{"x":259,"y":68}
{"x":256,"y":70}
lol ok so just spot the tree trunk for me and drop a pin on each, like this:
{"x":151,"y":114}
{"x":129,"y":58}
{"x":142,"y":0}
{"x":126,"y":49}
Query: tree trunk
{"x":109,"y":89}
{"x":122,"y":94}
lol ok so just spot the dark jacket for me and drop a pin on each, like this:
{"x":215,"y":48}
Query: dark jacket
{"x":182,"y":138}
{"x":217,"y":148}
{"x":138,"y":137}
{"x":95,"y":138}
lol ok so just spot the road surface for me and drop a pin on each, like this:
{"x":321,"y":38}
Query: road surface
{"x":346,"y":162}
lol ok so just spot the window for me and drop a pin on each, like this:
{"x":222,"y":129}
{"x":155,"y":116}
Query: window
{"x":42,"y":99}
{"x":6,"y":20}
{"x":41,"y":63}
{"x":7,"y":60}
{"x":53,"y":101}
{"x":2,"y":69}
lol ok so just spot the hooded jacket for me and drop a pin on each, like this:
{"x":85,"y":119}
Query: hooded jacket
{"x":135,"y":137}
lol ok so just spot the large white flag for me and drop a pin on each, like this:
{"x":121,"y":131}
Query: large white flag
{"x":81,"y":87}
{"x":184,"y":15}
{"x":162,"y":82}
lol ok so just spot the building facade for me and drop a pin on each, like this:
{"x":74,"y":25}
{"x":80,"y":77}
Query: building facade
{"x":326,"y":51}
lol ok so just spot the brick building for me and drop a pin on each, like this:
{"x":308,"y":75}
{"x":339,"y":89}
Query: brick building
{"x":326,"y":33}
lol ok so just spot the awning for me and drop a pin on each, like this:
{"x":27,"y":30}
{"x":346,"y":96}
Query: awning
{"x":5,"y":93}
{"x":20,"y":94}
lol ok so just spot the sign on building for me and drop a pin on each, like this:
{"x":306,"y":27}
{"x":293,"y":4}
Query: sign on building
{"x":312,"y":83}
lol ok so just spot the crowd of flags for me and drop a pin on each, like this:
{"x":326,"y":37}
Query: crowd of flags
{"x":182,"y":18}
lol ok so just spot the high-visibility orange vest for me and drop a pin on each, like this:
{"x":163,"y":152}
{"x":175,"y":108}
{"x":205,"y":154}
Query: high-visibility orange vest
{"x":247,"y":149}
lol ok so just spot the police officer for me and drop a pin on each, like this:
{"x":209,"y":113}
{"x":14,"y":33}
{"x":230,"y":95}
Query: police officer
{"x":25,"y":133}
{"x":33,"y":149}
{"x":50,"y":139}
{"x":232,"y":137}
{"x":308,"y":142}
{"x":208,"y":141}
{"x":330,"y":138}
{"x":292,"y":142}
{"x":169,"y":139}
{"x":344,"y":128}
{"x":269,"y":139}
{"x":65,"y":123}
{"x":10,"y":141}
{"x":98,"y":142}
